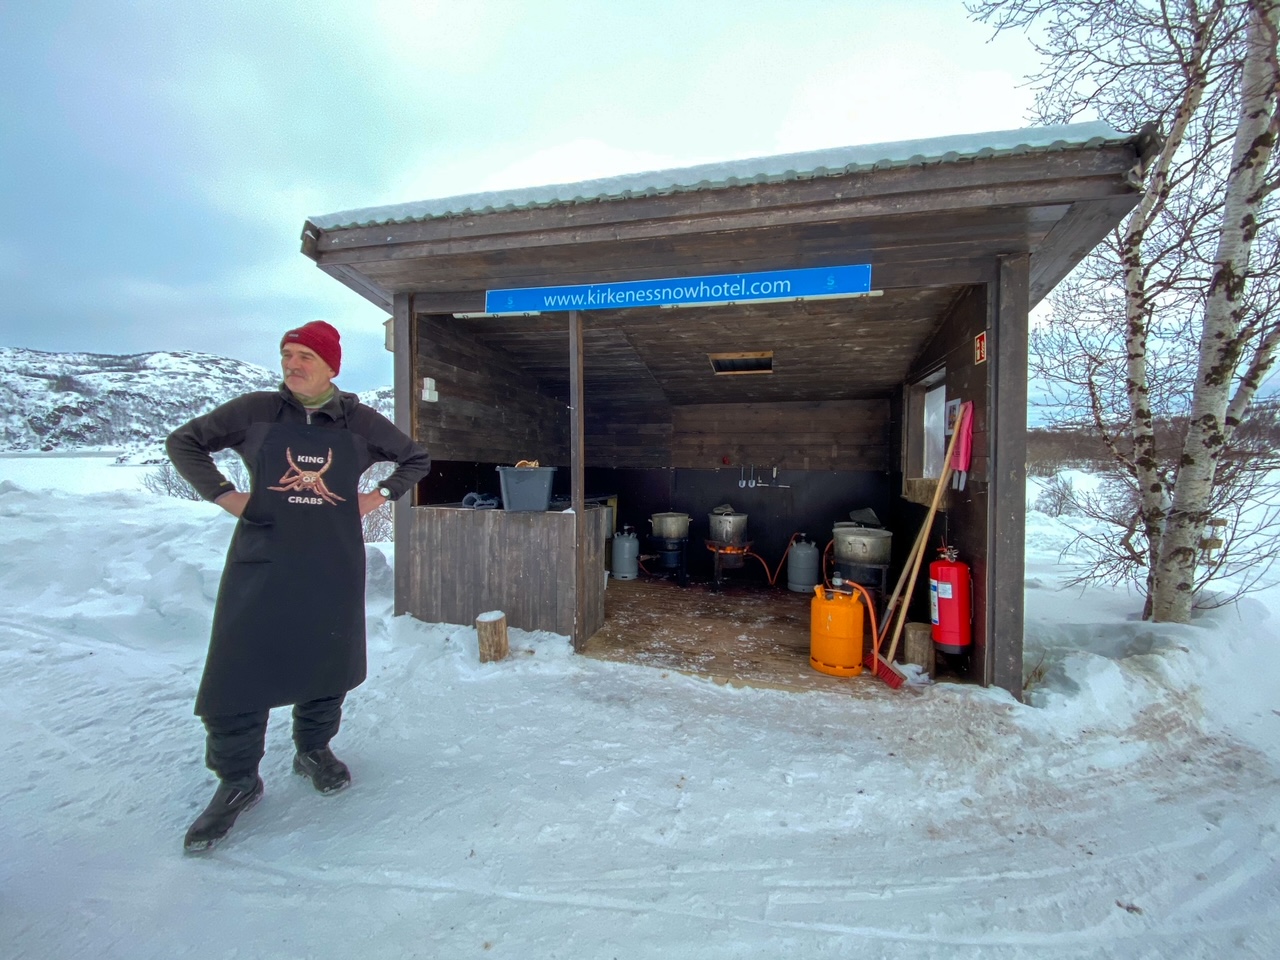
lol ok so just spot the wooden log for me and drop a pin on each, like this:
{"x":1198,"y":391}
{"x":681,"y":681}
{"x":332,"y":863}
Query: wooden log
{"x":491,"y":628}
{"x":919,"y":647}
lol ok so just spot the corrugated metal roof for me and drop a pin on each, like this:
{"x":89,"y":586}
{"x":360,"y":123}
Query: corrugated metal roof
{"x":712,"y":176}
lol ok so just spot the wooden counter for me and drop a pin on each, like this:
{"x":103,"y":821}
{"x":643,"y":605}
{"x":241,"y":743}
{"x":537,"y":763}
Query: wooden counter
{"x":466,"y":562}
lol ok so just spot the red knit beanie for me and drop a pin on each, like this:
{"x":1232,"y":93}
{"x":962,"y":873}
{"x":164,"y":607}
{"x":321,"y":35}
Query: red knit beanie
{"x":320,"y":337}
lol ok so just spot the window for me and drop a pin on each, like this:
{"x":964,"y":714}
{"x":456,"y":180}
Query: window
{"x":934,"y":438}
{"x":924,"y":435}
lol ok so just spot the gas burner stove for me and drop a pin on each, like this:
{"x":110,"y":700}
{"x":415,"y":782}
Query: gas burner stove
{"x":672,"y":556}
{"x":728,"y":556}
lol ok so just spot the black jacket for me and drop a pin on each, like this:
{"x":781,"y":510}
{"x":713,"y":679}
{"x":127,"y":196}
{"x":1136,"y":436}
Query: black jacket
{"x":227,"y":427}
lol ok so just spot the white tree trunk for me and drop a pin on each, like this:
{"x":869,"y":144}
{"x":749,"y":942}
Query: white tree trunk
{"x":1145,"y":464}
{"x":1221,"y":344}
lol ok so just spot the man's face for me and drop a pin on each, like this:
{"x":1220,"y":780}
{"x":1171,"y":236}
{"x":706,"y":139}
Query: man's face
{"x":304,"y":371}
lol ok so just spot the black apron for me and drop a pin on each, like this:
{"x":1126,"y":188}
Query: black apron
{"x":289,"y":622}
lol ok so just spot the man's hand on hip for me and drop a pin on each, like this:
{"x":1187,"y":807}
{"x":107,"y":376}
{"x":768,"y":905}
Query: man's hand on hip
{"x":370,"y":502}
{"x":233,"y":501}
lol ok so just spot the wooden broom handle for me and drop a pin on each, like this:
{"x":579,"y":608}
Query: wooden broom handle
{"x":889,"y":609}
{"x":965,"y":413}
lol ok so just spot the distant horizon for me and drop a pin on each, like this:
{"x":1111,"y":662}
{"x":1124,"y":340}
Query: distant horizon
{"x":271,"y":369}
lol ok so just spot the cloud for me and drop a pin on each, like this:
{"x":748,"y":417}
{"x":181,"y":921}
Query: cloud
{"x":927,"y":83}
{"x":575,"y":160}
{"x":168,"y":153}
{"x":836,"y":106}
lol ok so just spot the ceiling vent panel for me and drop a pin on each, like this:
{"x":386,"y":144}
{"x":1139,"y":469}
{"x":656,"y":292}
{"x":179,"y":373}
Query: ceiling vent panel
{"x":738,"y":364}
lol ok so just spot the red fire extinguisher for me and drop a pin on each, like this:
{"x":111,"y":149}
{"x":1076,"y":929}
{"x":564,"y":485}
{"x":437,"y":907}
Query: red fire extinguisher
{"x":949,"y":600}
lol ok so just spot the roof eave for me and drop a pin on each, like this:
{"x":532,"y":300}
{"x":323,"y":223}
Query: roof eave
{"x":780,"y":169}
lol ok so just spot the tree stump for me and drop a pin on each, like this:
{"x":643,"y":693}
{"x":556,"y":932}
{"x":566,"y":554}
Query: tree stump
{"x":918,"y":647}
{"x":491,"y":628}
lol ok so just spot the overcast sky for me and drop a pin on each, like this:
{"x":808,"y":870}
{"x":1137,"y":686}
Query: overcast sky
{"x":159,"y":157}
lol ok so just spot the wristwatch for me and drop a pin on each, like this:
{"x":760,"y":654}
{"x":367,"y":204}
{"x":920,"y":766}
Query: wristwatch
{"x":385,"y":492}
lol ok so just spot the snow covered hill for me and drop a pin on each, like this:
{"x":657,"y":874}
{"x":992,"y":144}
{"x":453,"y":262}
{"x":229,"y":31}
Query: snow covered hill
{"x":77,"y":401}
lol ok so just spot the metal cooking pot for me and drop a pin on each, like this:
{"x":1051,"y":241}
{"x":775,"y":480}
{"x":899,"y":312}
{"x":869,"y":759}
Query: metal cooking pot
{"x":673,"y":526}
{"x":858,"y":544}
{"x":728,"y":527}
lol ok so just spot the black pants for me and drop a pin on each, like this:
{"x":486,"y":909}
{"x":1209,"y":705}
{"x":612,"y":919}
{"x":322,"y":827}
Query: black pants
{"x":235,"y":743}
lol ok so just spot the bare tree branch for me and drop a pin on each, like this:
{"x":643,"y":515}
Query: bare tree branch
{"x":1173,"y":318}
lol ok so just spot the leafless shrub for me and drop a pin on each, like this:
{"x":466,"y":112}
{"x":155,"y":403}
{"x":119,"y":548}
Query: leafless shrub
{"x":164,"y":481}
{"x":378,"y":523}
{"x":65,"y":383}
{"x":1035,"y":676}
{"x":1058,"y":497}
{"x":233,"y":468}
{"x":1236,"y":550}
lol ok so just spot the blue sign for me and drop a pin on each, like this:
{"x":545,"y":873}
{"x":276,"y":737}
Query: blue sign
{"x":723,"y":288}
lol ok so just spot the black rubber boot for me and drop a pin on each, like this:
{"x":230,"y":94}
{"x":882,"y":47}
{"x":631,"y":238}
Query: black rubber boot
{"x":229,"y":801}
{"x":328,"y":774}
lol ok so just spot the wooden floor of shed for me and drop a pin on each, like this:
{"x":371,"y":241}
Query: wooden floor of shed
{"x":742,"y":635}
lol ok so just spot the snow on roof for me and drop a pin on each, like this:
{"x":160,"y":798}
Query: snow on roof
{"x":832,"y":161}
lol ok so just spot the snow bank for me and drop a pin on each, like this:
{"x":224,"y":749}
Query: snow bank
{"x":1104,"y":667}
{"x":555,"y":806}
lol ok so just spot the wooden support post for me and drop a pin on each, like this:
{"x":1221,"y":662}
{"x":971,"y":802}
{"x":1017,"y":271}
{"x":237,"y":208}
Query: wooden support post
{"x":491,"y":628}
{"x":577,"y":494}
{"x":919,"y":647}
{"x":1000,"y":655}
{"x":403,"y":320}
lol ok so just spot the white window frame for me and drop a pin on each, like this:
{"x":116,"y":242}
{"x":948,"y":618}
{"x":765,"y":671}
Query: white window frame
{"x":924,"y":429}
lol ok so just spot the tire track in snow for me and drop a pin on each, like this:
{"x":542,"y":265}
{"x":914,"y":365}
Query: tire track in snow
{"x":1090,"y":937}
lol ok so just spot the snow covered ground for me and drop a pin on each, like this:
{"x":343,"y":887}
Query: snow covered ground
{"x":555,"y":806}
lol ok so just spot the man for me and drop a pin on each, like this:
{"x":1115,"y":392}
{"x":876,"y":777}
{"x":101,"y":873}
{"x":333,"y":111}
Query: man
{"x":288,"y":626}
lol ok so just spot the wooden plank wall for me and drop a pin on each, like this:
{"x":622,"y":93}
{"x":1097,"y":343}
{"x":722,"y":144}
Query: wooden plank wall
{"x":953,"y":348}
{"x":966,"y":511}
{"x":489,"y":410}
{"x":803,"y":435}
{"x":628,"y":437}
{"x":467,"y":562}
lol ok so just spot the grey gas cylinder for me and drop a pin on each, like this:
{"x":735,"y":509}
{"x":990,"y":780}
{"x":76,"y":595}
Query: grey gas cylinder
{"x":802,"y":567}
{"x":626,"y":555}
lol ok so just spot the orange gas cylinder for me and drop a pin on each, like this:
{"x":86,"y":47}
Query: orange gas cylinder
{"x":835,"y":631}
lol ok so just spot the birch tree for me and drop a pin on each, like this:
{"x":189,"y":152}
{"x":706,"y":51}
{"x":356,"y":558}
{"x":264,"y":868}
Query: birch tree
{"x":1173,"y":317}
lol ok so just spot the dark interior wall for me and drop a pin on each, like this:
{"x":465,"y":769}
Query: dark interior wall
{"x":451,"y":480}
{"x":801,"y":435}
{"x":964,"y":522}
{"x":795,"y":501}
{"x":625,"y":436}
{"x":830,"y":457}
{"x":489,"y":410}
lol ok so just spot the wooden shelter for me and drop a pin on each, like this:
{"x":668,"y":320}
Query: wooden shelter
{"x":963,"y":234}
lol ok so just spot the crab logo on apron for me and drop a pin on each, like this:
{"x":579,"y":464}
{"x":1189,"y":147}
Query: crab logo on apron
{"x":298,"y":480}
